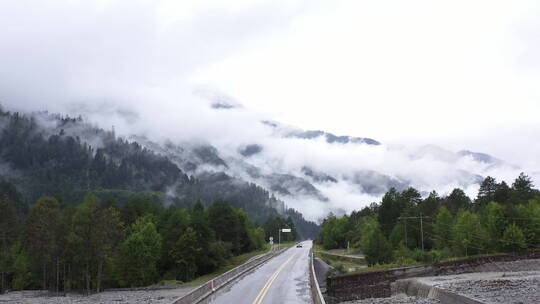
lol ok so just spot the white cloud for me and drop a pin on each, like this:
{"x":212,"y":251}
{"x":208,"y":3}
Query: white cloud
{"x":460,"y":74}
{"x":395,"y":70}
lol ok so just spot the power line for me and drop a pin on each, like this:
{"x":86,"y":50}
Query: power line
{"x":421,"y":227}
{"x":478,"y":238}
{"x":473,"y":235}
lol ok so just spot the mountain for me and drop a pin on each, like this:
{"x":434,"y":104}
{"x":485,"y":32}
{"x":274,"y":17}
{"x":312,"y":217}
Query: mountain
{"x":52,"y":155}
{"x":317,"y":134}
{"x":274,"y":168}
{"x":318,"y":172}
{"x":484,"y":158}
{"x":331,"y":138}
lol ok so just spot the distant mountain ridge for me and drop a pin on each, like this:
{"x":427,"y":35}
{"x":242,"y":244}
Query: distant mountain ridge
{"x":317,"y":134}
{"x":331,"y":138}
{"x":307,"y":183}
{"x":483,"y":157}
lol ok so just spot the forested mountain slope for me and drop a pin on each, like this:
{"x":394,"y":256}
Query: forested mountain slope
{"x":46,"y":154}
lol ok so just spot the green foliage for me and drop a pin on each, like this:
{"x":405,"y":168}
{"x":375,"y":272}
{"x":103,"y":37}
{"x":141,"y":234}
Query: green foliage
{"x":273,"y":225}
{"x":9,"y":223}
{"x":528,"y":219}
{"x":58,"y":159}
{"x":227,"y":225}
{"x":367,"y":225}
{"x":442,"y":228}
{"x":402,"y":255}
{"x":96,"y":232}
{"x":467,"y":234}
{"x":436,"y":255}
{"x":257,"y":237}
{"x":522,"y":190}
{"x":457,"y":200}
{"x":376,"y":248}
{"x":64,"y":244}
{"x":340,"y":267}
{"x":495,"y":221}
{"x":389,"y":211}
{"x":335,"y":232}
{"x":398,"y":235}
{"x":172,"y":224}
{"x":140,"y":253}
{"x":185,"y":253}
{"x":502,"y":193}
{"x":513,"y":238}
{"x":487,"y":191}
{"x":218,"y":254}
{"x":87,"y":247}
{"x":62,"y":164}
{"x":21,"y":269}
{"x":43,"y":234}
{"x":501,"y":219}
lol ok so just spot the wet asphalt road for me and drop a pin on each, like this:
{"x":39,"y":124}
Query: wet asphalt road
{"x":282,"y":280}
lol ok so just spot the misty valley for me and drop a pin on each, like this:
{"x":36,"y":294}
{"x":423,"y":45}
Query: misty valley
{"x":85,"y":210}
{"x":269,"y":152}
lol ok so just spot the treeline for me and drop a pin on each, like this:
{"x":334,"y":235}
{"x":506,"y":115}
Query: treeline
{"x":405,"y":228}
{"x":65,"y":157}
{"x":100,"y":244}
{"x":273,"y":225}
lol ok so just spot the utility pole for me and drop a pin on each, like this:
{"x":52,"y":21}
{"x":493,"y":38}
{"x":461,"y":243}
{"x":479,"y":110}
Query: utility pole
{"x":422,"y":232}
{"x":421,"y":226}
{"x":406,"y":244}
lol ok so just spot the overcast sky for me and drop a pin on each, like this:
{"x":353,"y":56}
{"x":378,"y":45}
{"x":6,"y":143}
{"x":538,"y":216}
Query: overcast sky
{"x":461,"y":74}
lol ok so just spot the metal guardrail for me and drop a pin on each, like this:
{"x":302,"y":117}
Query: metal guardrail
{"x":206,"y":289}
{"x":316,"y":293}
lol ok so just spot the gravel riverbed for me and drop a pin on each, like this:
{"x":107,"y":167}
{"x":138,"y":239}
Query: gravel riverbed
{"x":399,"y":299}
{"x":499,"y":288}
{"x":515,"y":282}
{"x":161,"y":296}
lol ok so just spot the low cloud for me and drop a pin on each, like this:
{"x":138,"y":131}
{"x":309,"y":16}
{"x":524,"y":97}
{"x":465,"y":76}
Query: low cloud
{"x":131,"y":64}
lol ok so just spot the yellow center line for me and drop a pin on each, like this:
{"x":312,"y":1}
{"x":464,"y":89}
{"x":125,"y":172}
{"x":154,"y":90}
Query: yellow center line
{"x":266,"y":287}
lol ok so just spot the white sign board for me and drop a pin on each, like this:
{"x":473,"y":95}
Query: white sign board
{"x":286,"y":230}
{"x":271,"y":238}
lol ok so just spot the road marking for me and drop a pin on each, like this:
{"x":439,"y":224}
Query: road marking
{"x":266,"y":287}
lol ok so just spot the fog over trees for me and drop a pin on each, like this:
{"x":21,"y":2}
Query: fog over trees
{"x":81,"y":216}
{"x":405,"y":228}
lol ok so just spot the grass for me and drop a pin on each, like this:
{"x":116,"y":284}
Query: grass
{"x":342,"y":264}
{"x":233,"y":262}
{"x":473,"y":256}
{"x":378,"y":267}
{"x":319,"y":247}
{"x":170,"y":283}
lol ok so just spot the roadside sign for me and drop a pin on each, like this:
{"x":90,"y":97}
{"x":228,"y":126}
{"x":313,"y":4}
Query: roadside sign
{"x":271,"y":238}
{"x":286,"y":230}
